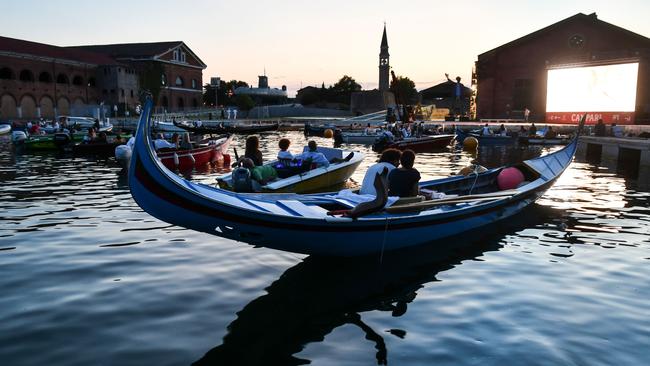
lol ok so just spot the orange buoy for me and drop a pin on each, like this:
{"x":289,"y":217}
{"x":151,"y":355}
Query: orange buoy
{"x":328,"y":133}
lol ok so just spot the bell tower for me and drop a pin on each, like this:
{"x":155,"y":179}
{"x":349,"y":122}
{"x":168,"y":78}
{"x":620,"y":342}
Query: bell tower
{"x":384,"y":66}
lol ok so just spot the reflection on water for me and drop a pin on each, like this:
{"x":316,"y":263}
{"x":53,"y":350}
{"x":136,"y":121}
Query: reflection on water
{"x":88,"y":278}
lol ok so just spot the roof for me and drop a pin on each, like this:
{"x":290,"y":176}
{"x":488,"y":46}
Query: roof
{"x":144,"y":51}
{"x":19,"y":46}
{"x":446,"y":89}
{"x":384,"y":39}
{"x":578,"y":17}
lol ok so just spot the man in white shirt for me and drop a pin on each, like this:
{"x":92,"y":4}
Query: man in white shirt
{"x":389,"y":160}
{"x":316,"y":157}
{"x":161,"y":143}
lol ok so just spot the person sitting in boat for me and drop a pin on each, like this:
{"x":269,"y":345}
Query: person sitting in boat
{"x":262,"y":174}
{"x":176,"y":140}
{"x":485,"y":131}
{"x":312,"y":154}
{"x":186,"y":144}
{"x":369,"y":130}
{"x":253,"y":150}
{"x":403,"y":182}
{"x":405,"y":131}
{"x":532,"y":131}
{"x":389,"y":160}
{"x":503,"y":131}
{"x":96,"y":124}
{"x":198,"y":123}
{"x":161,"y":143}
{"x":550,"y":134}
{"x":90,"y":136}
{"x":118,"y":140}
{"x":102,"y":138}
{"x":284,"y":154}
{"x":522,"y":131}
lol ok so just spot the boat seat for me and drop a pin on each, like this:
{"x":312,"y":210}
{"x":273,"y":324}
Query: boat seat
{"x":407,"y":200}
{"x":271,"y":207}
{"x":301,"y":209}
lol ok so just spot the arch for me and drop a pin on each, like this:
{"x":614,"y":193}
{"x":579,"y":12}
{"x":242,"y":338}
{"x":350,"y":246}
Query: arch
{"x":62,"y":79}
{"x":45,"y":77}
{"x":179,"y":81}
{"x":26,"y":75}
{"x":77,"y":80}
{"x":180,"y":103}
{"x":164,"y":101}
{"x":195,"y":103}
{"x":28,"y":106}
{"x":8,"y":107}
{"x":7,"y":74}
{"x":47,"y":107}
{"x":92,"y":82}
{"x":63,"y":106}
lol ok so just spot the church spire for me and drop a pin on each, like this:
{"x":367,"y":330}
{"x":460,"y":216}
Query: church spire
{"x":384,"y":66}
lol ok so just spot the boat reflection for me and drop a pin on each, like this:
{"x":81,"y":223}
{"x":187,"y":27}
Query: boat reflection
{"x":318,"y":295}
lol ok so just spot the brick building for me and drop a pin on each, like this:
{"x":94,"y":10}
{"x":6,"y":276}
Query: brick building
{"x":39,"y":80}
{"x":513,"y":76}
{"x":178,"y":69}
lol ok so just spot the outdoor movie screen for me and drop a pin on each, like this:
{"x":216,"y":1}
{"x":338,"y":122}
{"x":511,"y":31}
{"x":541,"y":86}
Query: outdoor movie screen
{"x":606,"y":91}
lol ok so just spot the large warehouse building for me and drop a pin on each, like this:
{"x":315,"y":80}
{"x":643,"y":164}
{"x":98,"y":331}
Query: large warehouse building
{"x":578,"y":65}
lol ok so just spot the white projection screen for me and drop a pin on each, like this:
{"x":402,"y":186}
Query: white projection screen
{"x":604,"y":91}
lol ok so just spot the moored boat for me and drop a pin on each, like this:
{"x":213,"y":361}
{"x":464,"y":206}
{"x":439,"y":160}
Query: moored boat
{"x":417,"y":144}
{"x":486,"y":139}
{"x":355,"y":137}
{"x":222,"y":128}
{"x":186,"y":159}
{"x":300,"y":179}
{"x":305,"y":224}
{"x":4,"y":128}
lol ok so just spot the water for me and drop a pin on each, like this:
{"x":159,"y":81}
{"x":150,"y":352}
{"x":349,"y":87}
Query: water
{"x":90,"y":279}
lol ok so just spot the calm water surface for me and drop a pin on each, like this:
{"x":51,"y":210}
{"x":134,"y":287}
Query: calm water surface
{"x":87,"y":278}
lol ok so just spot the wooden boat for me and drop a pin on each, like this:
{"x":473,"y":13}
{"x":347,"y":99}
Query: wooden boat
{"x":53,"y":141}
{"x":417,"y":144}
{"x":187,"y":159}
{"x":298,"y":180}
{"x":355,"y":137}
{"x":221,"y":128}
{"x":303,"y":224}
{"x":486,"y":139}
{"x":96,"y":148}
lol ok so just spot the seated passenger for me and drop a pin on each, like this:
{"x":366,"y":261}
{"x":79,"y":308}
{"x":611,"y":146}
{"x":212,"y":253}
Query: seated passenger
{"x":389,"y":160}
{"x":403,"y":182}
{"x":369,"y":130}
{"x":90,"y":136}
{"x":503,"y":131}
{"x":176,"y":140}
{"x":161,"y":143}
{"x":284,"y":154}
{"x":103,"y":138}
{"x":550,"y":133}
{"x":316,"y":157}
{"x":261,"y":174}
{"x":485,"y":131}
{"x":186,"y":144}
{"x":253,"y":150}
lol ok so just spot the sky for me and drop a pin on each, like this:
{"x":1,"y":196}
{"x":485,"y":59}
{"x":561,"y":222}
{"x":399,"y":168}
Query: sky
{"x":302,"y":43}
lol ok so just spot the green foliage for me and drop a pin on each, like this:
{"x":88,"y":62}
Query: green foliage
{"x":223,"y":97}
{"x":404,"y":90}
{"x":244,"y":102}
{"x":151,"y":79}
{"x":346,"y":85}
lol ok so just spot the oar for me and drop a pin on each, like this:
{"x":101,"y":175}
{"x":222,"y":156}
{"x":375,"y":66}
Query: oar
{"x":419,"y":206}
{"x":236,"y":158}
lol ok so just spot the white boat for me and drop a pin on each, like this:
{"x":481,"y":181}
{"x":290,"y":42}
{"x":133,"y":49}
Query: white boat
{"x":4,"y":129}
{"x":357,"y":138}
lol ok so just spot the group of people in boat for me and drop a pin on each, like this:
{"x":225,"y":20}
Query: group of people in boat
{"x":177,"y":142}
{"x":402,"y":181}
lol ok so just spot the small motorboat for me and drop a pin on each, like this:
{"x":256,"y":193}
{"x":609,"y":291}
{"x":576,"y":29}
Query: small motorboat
{"x":5,"y":128}
{"x":311,"y":224}
{"x":187,"y":159}
{"x":361,"y":138}
{"x":301,"y":177}
{"x":486,"y":139}
{"x":417,"y":144}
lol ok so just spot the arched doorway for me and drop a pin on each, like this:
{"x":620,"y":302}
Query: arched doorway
{"x":27,"y":75}
{"x":45,"y":77}
{"x":28,"y":107}
{"x":180,"y":103}
{"x":63,"y":107}
{"x":7,"y":107}
{"x":47,"y":107}
{"x":7,"y":74}
{"x":62,"y":79}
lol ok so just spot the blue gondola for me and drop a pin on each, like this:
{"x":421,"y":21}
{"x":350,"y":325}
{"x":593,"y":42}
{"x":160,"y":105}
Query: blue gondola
{"x":301,"y":223}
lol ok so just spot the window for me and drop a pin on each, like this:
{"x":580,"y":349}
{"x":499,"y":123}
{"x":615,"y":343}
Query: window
{"x":62,"y":79}
{"x":182,"y":56}
{"x":26,"y":75}
{"x":179,"y":81}
{"x":91,"y":82}
{"x":77,"y":80}
{"x":193,"y":83}
{"x":175,"y":58}
{"x":163,"y":79}
{"x":6,"y":74}
{"x":45,"y":77}
{"x":131,"y":93}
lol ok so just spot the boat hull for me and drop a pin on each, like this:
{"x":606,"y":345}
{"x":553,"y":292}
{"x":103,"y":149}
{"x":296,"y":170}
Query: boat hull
{"x":417,"y":144}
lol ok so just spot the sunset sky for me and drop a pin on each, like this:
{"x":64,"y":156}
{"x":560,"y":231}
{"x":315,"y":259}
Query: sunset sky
{"x":303,"y":43}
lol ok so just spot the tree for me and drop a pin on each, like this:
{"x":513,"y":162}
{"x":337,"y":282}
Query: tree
{"x":346,"y":85}
{"x":244,"y":102}
{"x":222,"y":93}
{"x":404,"y":90}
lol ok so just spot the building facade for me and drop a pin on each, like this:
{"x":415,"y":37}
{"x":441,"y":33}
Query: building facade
{"x":43,"y":81}
{"x":513,"y":77}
